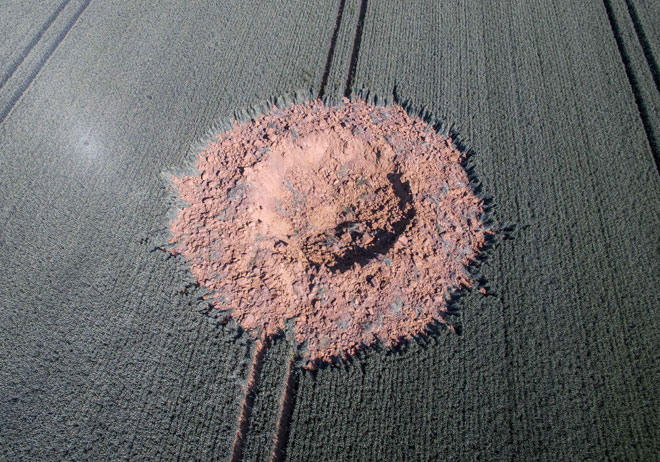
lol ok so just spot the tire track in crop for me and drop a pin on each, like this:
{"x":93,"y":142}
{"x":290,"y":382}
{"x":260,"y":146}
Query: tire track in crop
{"x":287,"y":405}
{"x":634,"y":82}
{"x":84,"y":202}
{"x":341,"y":42}
{"x":291,"y":377}
{"x":24,"y":85}
{"x":558,"y":361}
{"x":331,"y":50}
{"x":645,"y":44}
{"x":31,"y":44}
{"x":350,"y":80}
{"x":290,"y":385}
{"x":246,"y":409}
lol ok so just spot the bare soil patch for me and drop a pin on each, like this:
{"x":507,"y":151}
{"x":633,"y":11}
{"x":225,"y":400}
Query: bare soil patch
{"x":355,"y":221}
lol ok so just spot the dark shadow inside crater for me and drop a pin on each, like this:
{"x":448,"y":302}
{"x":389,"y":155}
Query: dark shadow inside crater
{"x":383,"y":240}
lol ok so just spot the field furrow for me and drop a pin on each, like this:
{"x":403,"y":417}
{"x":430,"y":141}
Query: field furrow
{"x":645,"y":15}
{"x":105,"y":355}
{"x":23,"y":25}
{"x":259,"y":441}
{"x":37,"y":53}
{"x":340,"y":50}
{"x":640,"y":66}
{"x":558,"y":361}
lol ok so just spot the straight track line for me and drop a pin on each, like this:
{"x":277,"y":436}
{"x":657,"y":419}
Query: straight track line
{"x":644,"y":42}
{"x":634,"y":85}
{"x":26,"y":51}
{"x":26,"y":83}
{"x":286,"y":412}
{"x":331,"y":50}
{"x":350,"y":79}
{"x":246,"y":410}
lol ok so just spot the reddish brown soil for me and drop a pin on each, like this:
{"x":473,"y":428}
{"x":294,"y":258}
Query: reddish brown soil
{"x":352,"y":220}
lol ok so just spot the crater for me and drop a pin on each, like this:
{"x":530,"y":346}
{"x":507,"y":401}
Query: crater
{"x":331,"y":202}
{"x":355,"y":222}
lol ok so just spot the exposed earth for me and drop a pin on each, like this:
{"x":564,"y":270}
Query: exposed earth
{"x":355,"y":221}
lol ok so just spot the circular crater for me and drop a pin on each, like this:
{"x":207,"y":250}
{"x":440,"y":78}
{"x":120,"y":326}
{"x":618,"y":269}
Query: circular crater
{"x":335,"y":203}
{"x":353,"y":221}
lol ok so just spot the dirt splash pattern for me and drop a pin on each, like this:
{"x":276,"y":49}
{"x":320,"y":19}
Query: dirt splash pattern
{"x":355,"y":221}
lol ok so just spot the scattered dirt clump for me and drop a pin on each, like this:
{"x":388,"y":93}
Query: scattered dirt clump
{"x":355,"y":221}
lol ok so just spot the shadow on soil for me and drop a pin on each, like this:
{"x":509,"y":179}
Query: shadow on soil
{"x":383,"y":239}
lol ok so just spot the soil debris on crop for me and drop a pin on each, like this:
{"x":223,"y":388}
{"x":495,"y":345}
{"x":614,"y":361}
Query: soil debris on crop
{"x":353,"y":220}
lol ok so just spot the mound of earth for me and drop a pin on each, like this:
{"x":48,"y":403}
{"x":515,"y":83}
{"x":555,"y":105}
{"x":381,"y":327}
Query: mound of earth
{"x":354,"y":221}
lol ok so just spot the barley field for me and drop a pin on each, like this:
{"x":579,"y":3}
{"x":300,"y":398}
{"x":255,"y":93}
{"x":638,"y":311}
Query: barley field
{"x":107,"y":351}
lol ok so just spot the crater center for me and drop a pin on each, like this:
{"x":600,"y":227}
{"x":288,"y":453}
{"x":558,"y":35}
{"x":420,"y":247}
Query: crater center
{"x":331,"y":201}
